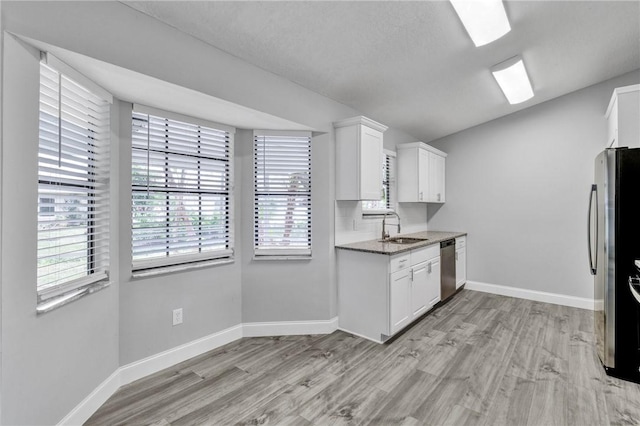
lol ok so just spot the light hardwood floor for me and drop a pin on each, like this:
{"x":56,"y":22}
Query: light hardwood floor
{"x":479,"y":359}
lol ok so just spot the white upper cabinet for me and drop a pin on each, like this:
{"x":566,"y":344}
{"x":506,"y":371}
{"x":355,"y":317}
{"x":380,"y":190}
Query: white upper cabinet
{"x":421,"y":173}
{"x":421,"y":191}
{"x":623,"y":116}
{"x":435,"y":193}
{"x":358,"y":159}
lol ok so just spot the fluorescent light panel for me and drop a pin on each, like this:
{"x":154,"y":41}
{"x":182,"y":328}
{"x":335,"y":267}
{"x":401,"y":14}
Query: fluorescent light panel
{"x":484,"y":20}
{"x":512,"y":78}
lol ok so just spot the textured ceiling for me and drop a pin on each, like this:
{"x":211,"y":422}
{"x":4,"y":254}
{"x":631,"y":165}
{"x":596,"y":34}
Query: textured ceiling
{"x":411,"y":65}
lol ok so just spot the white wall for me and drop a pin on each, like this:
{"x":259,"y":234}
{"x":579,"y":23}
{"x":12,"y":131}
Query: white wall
{"x":57,"y":359}
{"x":209,"y":297}
{"x":1,"y":137}
{"x":519,"y":186}
{"x":277,"y":290}
{"x":50,"y":362}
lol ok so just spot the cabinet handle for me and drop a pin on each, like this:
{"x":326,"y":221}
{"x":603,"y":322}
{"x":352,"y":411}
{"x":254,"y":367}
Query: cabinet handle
{"x":438,"y":196}
{"x":429,"y":268}
{"x":411,"y":274}
{"x":420,"y":196}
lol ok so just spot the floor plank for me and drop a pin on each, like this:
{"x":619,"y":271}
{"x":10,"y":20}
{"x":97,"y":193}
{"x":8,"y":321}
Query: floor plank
{"x":586,"y":406}
{"x":278,"y":410}
{"x":512,"y":404}
{"x":478,"y":359}
{"x":403,"y":399}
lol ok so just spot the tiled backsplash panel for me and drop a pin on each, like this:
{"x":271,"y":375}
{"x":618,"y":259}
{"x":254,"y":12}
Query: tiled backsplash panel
{"x":351,"y":226}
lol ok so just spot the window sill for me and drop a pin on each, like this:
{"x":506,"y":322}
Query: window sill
{"x":276,"y":257}
{"x":59,"y":301}
{"x":163,"y":270}
{"x":376,"y":214}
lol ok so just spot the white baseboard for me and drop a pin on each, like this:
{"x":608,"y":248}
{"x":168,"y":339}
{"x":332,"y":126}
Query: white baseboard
{"x":289,"y":328}
{"x":598,"y":305}
{"x":360,"y":335}
{"x":139,"y":369}
{"x":538,"y":296}
{"x":93,"y":401}
{"x":144,"y":367}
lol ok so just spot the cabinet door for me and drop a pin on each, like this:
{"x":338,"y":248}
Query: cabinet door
{"x":423,"y":174}
{"x":370,"y":164}
{"x":461,"y":266}
{"x":433,"y":281}
{"x":440,"y":164}
{"x":399,"y":300}
{"x":436,"y":178}
{"x":420,"y":297}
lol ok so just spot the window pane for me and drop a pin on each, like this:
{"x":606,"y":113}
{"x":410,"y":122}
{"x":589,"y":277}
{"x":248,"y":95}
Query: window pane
{"x":282,"y":184}
{"x":73,"y":158}
{"x":283,"y":221}
{"x":385,"y":202}
{"x":181,"y":179}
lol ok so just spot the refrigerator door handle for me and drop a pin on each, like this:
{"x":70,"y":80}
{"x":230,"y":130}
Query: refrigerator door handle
{"x":634,"y":286}
{"x":592,"y":265}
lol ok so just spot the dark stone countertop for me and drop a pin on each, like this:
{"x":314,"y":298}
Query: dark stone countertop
{"x":388,"y":248}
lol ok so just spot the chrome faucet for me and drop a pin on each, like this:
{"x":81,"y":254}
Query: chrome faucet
{"x":385,"y":235}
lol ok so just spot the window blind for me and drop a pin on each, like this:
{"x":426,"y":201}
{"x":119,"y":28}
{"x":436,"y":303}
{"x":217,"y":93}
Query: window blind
{"x":181,"y":198}
{"x":389,"y":181}
{"x":387,"y":200}
{"x":73,"y":186}
{"x":282,"y":194}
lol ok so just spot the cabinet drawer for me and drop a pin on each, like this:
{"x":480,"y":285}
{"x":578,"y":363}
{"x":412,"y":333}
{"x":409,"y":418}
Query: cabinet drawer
{"x":424,"y":254}
{"x":461,"y":242}
{"x":399,"y":262}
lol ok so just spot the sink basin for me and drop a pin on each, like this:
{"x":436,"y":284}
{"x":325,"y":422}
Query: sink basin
{"x":403,"y":240}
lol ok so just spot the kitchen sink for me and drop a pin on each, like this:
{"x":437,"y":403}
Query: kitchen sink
{"x":403,"y":240}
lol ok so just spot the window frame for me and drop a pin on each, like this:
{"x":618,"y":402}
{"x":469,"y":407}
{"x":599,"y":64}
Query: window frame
{"x":46,"y":210}
{"x":390,"y":161}
{"x":272,"y":253}
{"x":178,"y":262}
{"x":83,"y":92}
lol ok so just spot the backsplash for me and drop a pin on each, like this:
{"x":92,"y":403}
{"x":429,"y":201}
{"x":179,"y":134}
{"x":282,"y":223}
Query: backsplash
{"x":351,"y":226}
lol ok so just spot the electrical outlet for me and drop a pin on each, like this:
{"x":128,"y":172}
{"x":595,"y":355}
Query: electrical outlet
{"x":177,"y":316}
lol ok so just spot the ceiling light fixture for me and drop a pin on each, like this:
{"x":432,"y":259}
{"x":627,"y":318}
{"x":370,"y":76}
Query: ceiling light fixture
{"x":484,"y":20}
{"x":512,"y":78}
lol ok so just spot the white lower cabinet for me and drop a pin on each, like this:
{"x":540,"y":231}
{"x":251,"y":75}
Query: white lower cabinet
{"x":379,"y":295}
{"x":433,"y":282}
{"x":419,"y":289}
{"x":400,"y":300}
{"x":425,"y":290}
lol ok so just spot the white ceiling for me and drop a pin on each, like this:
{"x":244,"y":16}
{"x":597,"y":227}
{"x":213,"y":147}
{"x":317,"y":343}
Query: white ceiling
{"x":411,"y":65}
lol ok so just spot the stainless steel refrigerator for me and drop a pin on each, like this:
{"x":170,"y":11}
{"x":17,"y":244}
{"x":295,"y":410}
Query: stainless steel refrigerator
{"x":614,"y":260}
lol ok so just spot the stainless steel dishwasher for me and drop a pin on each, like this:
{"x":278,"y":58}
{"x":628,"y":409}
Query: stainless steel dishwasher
{"x":448,"y":269}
